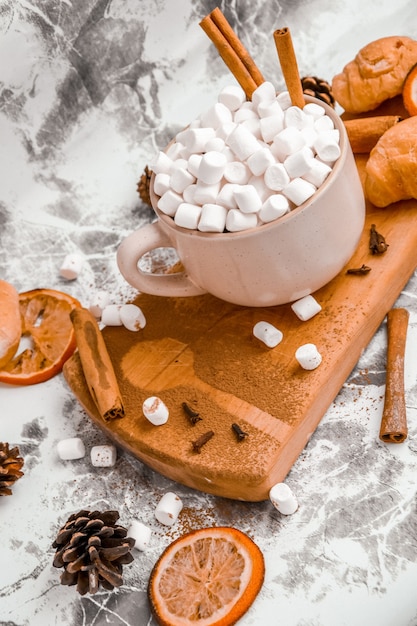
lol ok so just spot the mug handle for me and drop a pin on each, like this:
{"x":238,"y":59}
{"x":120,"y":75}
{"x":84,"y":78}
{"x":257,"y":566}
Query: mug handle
{"x":132,"y":249}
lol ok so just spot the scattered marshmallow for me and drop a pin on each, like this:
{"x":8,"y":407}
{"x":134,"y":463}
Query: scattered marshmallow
{"x":100,"y":300}
{"x":103,"y":456}
{"x":268,"y":334}
{"x":71,"y":449}
{"x":155,"y":411}
{"x":110,"y":315}
{"x":71,"y":266}
{"x":306,"y":308}
{"x":283,"y":499}
{"x":132,"y":317}
{"x":308,"y":356}
{"x":168,"y":509}
{"x":140,"y":533}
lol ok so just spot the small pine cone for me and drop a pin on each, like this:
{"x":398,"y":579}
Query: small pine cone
{"x":92,"y":549}
{"x":143,"y":186}
{"x":318,"y":88}
{"x":10,"y":468}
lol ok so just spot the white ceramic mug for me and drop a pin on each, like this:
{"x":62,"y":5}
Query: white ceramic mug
{"x":272,"y":264}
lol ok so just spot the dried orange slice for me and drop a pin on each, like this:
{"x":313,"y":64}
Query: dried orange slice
{"x":48,"y":338}
{"x":208,"y":577}
{"x":410,"y":91}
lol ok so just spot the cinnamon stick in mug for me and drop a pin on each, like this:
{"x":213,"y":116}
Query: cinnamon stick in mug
{"x":394,"y":418}
{"x":289,"y":66}
{"x":96,"y":364}
{"x":232,"y":51}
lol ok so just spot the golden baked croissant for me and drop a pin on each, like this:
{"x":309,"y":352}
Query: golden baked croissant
{"x":376,"y":74}
{"x":391,"y":170}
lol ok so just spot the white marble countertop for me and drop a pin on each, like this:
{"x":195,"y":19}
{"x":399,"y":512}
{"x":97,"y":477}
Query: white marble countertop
{"x":89,"y":90}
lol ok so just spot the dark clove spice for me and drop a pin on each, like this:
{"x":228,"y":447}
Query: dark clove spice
{"x":192,"y":415}
{"x":202,"y":440}
{"x":363,"y":269}
{"x":240,"y":434}
{"x":377,"y":243}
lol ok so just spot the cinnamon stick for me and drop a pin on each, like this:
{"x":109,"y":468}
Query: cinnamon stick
{"x":289,"y":66}
{"x":96,"y":364}
{"x":232,"y":51}
{"x":363,"y":133}
{"x":394,"y":418}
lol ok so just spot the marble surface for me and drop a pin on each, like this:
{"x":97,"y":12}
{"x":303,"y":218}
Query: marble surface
{"x":89,"y":90}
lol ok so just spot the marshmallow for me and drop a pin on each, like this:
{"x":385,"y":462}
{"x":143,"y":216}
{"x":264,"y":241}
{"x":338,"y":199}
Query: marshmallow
{"x":299,"y":162}
{"x":195,"y":139}
{"x":327,"y":147}
{"x":71,"y":449}
{"x":253,"y":125}
{"x":103,"y":456}
{"x":204,"y":193}
{"x":168,"y":509}
{"x":161,"y":183}
{"x":268,"y":109}
{"x":213,"y":218}
{"x":284,"y":100}
{"x":232,"y":96}
{"x":259,"y":183}
{"x":259,"y":161}
{"x":175,"y":150}
{"x":247,"y":198}
{"x":275,"y":206}
{"x":189,"y":193}
{"x":294,"y":116}
{"x":323,"y":123}
{"x":276,"y":177}
{"x":299,"y":190}
{"x":132,"y":317}
{"x":306,"y":308}
{"x":271,"y":126}
{"x":193,"y":164}
{"x":187,"y":215}
{"x":140,"y":533}
{"x":225,"y":130}
{"x":110,"y":315}
{"x":161,"y":164}
{"x":217,"y":144}
{"x":308,"y":356}
{"x":180,"y":179}
{"x":226,"y":196}
{"x":283,"y":499}
{"x":217,"y":115}
{"x":242,"y":142}
{"x":317,"y":173}
{"x":268,"y":334}
{"x":237,"y":172}
{"x":155,"y":411}
{"x":313,"y":109}
{"x":241,"y":115}
{"x":289,"y":140}
{"x":237,"y":221}
{"x":265,"y":92}
{"x":211,"y":167}
{"x":71,"y":266}
{"x":169,"y":202}
{"x":100,"y":300}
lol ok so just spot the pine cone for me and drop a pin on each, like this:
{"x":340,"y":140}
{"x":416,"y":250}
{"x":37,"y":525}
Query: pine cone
{"x":10,"y":466}
{"x":143,"y":186}
{"x":92,"y":550}
{"x":318,"y":88}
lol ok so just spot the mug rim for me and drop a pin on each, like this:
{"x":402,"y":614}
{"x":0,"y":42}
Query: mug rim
{"x":292,"y":214}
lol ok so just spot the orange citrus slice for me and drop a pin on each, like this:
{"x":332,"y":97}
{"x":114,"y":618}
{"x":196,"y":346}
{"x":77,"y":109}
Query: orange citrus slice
{"x":48,"y":338}
{"x":410,"y":91}
{"x":208,"y":577}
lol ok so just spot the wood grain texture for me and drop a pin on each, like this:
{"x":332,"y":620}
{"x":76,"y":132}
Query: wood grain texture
{"x":201,"y":350}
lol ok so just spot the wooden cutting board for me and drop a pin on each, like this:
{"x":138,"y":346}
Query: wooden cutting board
{"x":201,"y":351}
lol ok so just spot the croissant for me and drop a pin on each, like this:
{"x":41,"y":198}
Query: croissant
{"x":391,"y":170}
{"x":376,"y":74}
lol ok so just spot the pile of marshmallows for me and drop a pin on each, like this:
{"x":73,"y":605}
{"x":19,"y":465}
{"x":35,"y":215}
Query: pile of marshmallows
{"x":244,"y":163}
